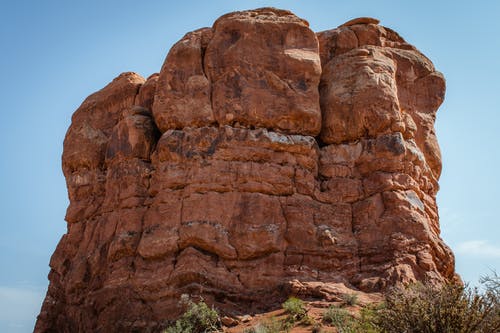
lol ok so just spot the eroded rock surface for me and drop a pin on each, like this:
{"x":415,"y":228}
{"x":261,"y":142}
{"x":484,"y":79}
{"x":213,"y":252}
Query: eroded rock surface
{"x":262,"y":160}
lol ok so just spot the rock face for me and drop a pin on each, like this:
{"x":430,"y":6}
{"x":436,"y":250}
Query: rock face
{"x":262,"y":157}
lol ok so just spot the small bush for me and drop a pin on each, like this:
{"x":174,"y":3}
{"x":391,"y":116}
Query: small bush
{"x":340,"y":318}
{"x":350,"y":299}
{"x":295,"y":308}
{"x":307,"y":320}
{"x":345,"y":323}
{"x":269,"y":326}
{"x":366,"y":322}
{"x":451,"y":308}
{"x":198,"y":318}
{"x":317,"y":328}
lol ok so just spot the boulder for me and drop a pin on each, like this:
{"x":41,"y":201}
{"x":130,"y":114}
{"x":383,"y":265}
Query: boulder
{"x":263,"y":160}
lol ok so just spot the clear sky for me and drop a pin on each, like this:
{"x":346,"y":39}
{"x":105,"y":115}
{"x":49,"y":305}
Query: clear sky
{"x":55,"y":53}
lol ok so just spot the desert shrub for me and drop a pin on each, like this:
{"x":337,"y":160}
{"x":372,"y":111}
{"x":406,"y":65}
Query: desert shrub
{"x":340,"y":318}
{"x":424,"y":308}
{"x":307,"y":320}
{"x":345,"y":323}
{"x":272,"y":325}
{"x":491,"y":295}
{"x":491,"y":283}
{"x":350,"y":299}
{"x":295,"y":308}
{"x":317,"y":328}
{"x":366,"y":322}
{"x":198,"y":318}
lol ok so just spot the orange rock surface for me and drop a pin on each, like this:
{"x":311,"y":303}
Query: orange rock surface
{"x":263,"y":160}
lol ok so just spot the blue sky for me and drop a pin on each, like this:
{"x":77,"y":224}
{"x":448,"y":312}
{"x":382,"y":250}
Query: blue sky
{"x":55,"y":53}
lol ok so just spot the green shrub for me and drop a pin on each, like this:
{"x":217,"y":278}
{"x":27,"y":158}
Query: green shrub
{"x":198,"y":318}
{"x":366,"y":322}
{"x":307,"y":320}
{"x":345,"y":323}
{"x":317,"y":328}
{"x":340,"y":318}
{"x":272,"y":325}
{"x":450,"y":308}
{"x":350,"y":299}
{"x":295,"y":308}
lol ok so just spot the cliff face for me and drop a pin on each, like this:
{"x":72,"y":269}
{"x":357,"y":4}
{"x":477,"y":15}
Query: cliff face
{"x":262,"y":159}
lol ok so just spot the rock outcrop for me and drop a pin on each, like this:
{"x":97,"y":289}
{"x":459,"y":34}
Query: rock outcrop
{"x":262,"y":159}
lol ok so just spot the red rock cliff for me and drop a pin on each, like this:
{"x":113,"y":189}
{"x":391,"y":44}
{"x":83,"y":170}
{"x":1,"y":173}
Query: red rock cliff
{"x":262,"y":155}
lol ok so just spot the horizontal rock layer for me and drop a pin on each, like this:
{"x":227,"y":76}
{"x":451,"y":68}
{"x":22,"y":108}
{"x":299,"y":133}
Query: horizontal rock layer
{"x":262,"y":157}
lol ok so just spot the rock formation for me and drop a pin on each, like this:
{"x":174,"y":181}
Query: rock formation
{"x":263,"y":159}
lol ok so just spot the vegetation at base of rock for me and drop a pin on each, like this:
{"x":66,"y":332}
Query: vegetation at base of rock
{"x":366,"y":321}
{"x":271,"y":325}
{"x":425,"y":308}
{"x":350,"y":299}
{"x":295,"y":308}
{"x":198,"y":318}
{"x":415,"y":308}
{"x":336,"y":316}
{"x":307,"y":321}
{"x":296,"y":315}
{"x":316,"y":328}
{"x":450,"y":308}
{"x":340,"y":318}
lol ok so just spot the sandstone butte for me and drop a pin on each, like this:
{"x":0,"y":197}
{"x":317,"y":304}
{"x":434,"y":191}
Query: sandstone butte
{"x":264,"y":160}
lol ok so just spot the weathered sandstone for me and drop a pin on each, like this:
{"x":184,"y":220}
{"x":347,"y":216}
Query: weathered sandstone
{"x":262,"y":160}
